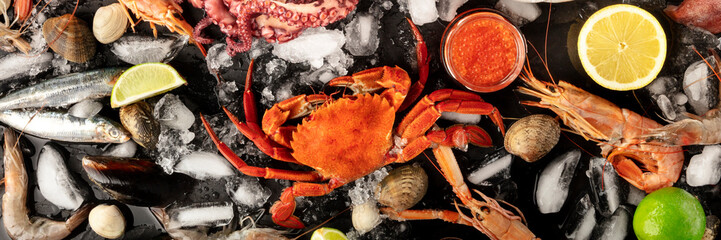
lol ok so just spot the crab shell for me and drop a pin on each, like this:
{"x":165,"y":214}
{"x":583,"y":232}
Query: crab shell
{"x":347,"y":138}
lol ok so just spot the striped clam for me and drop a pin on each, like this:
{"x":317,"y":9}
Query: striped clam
{"x":403,"y":187}
{"x":532,"y":137}
{"x":138,"y":119}
{"x":109,"y":23}
{"x":70,"y":37}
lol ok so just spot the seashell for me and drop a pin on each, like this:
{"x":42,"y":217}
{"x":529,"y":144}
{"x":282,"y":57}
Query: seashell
{"x":109,"y":23}
{"x":532,"y":137}
{"x":403,"y":187}
{"x":365,"y":217}
{"x":107,"y":221}
{"x":138,"y":119}
{"x":76,"y":43}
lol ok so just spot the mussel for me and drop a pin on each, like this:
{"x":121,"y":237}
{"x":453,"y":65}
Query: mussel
{"x":532,"y":137}
{"x":138,"y":119}
{"x":403,"y":187}
{"x":70,"y":37}
{"x":136,"y":181}
{"x":109,"y":23}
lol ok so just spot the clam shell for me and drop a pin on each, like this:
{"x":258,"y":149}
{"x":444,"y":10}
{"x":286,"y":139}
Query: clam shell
{"x":365,"y":217}
{"x":107,"y":221}
{"x":138,"y":119}
{"x":532,"y":137}
{"x":76,"y":43}
{"x":109,"y":23}
{"x":403,"y":187}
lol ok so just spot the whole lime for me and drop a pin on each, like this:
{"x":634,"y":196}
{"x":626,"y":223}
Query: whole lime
{"x":669,"y":213}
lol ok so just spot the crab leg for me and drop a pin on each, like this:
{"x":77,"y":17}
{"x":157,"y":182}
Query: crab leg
{"x":394,"y":79}
{"x":282,"y":210}
{"x":457,"y":136}
{"x":445,"y":215}
{"x":295,"y":107}
{"x":429,"y":109}
{"x":422,"y":58}
{"x":268,"y":173}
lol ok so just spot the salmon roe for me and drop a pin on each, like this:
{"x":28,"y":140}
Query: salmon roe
{"x":481,"y":52}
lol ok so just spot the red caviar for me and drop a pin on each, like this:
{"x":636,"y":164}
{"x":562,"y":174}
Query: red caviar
{"x":483,"y":51}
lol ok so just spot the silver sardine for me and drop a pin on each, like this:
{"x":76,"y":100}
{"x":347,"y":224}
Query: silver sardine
{"x":62,"y":126}
{"x":63,"y":90}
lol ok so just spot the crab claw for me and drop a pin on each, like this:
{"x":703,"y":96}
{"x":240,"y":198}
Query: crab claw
{"x":282,"y":211}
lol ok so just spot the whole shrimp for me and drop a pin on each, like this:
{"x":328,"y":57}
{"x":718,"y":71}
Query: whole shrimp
{"x":487,"y":216}
{"x":15,"y":212}
{"x":10,"y":39}
{"x":161,"y":12}
{"x":648,"y":166}
{"x":696,"y":130}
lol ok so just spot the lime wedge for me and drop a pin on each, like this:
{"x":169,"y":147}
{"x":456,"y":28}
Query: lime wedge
{"x":143,"y":81}
{"x":327,"y":233}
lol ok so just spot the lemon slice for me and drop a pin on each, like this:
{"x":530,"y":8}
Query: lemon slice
{"x":622,"y":47}
{"x":326,"y":233}
{"x":143,"y":81}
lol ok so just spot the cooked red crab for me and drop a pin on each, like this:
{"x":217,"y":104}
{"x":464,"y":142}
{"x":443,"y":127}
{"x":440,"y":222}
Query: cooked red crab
{"x":347,"y":138}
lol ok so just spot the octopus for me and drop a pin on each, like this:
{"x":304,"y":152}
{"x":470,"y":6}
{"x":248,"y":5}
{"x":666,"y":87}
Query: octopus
{"x":275,"y":20}
{"x":704,"y":14}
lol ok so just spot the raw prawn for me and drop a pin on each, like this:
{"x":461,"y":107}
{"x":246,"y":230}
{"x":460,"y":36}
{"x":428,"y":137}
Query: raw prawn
{"x":647,"y":166}
{"x":697,"y":130}
{"x":161,"y":12}
{"x":10,"y":39}
{"x":15,"y":213}
{"x":487,"y":216}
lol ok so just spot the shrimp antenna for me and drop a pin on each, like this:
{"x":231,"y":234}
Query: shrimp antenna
{"x":321,"y":224}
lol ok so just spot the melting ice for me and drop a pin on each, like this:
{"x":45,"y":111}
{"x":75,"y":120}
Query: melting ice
{"x":362,"y":35}
{"x":247,"y":191}
{"x":499,"y":166}
{"x":204,"y":165}
{"x":552,"y":187}
{"x":705,"y":168}
{"x":85,"y":109}
{"x":17,"y":65}
{"x":211,"y":214}
{"x":312,"y":46}
{"x":172,"y":112}
{"x":137,"y":49}
{"x":448,"y":9}
{"x":579,"y":224}
{"x":55,"y":181}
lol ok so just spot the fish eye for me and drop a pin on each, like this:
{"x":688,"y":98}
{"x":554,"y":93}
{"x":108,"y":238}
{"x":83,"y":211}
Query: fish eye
{"x":113,"y":133}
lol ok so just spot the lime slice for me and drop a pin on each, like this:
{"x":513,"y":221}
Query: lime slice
{"x":622,"y":47}
{"x":669,"y":213}
{"x":327,"y":233}
{"x":143,"y":81}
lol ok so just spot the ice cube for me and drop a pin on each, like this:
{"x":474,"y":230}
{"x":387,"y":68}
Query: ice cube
{"x":362,"y":35}
{"x":422,"y":11}
{"x":663,"y":85}
{"x":635,"y":195}
{"x":170,"y":147}
{"x":170,"y":111}
{"x":218,"y":58}
{"x":247,"y":191}
{"x":579,"y":224}
{"x":520,"y":13}
{"x":210,"y":214}
{"x":227,"y":92}
{"x":56,"y":183}
{"x":259,"y":47}
{"x":364,"y":187}
{"x":609,"y":191}
{"x":699,"y":88}
{"x":464,"y":118}
{"x":614,"y":227}
{"x":275,"y":68}
{"x":497,"y":167}
{"x":667,"y":108}
{"x":204,"y":166}
{"x":122,"y":150}
{"x":554,"y":181}
{"x":705,"y":168}
{"x":680,"y":99}
{"x":447,"y":9}
{"x":312,"y":46}
{"x":85,"y":109}
{"x":137,"y":49}
{"x":18,"y":65}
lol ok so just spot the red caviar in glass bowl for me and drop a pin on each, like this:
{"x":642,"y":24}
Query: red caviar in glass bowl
{"x":482,"y":50}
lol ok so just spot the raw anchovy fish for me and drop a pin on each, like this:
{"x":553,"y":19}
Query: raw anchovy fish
{"x":62,"y":126}
{"x":63,"y":90}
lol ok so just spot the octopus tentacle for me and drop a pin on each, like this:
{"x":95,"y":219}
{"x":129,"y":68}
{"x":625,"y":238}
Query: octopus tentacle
{"x":198,"y":31}
{"x":279,"y":21}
